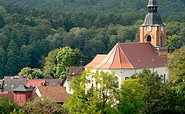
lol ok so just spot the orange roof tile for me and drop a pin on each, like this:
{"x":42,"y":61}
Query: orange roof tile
{"x":35,"y":82}
{"x":128,"y":55}
{"x":56,"y":93}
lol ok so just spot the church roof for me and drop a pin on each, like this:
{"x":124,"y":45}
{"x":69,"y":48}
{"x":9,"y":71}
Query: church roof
{"x":153,"y":19}
{"x":128,"y":55}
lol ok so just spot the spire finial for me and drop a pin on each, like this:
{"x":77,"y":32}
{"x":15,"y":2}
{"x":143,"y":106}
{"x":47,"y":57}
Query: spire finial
{"x":152,"y":3}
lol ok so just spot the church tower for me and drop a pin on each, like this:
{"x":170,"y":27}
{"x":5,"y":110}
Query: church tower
{"x":154,"y":31}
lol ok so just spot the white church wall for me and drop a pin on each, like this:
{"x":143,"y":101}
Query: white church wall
{"x":122,"y":74}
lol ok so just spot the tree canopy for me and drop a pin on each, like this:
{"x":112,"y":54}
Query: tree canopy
{"x":93,"y":92}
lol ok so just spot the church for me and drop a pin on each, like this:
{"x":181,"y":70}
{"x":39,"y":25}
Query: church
{"x":127,"y":59}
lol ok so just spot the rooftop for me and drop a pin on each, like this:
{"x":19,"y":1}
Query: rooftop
{"x":56,"y":93}
{"x":128,"y":55}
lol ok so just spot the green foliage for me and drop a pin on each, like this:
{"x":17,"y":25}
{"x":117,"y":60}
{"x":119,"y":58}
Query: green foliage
{"x":31,"y":73}
{"x":7,"y":105}
{"x":66,"y":57}
{"x":17,"y":111}
{"x":2,"y":61}
{"x":43,"y":106}
{"x":176,"y":66}
{"x":37,"y":32}
{"x":175,"y":38}
{"x":159,"y":97}
{"x":131,"y":97}
{"x":167,"y":6}
{"x":51,"y":63}
{"x":93,"y":92}
{"x":12,"y":63}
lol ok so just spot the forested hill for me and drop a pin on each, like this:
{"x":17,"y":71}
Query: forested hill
{"x":118,"y":6}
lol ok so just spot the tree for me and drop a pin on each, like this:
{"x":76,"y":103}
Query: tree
{"x":43,"y":106}
{"x":31,"y":73}
{"x":66,"y":57}
{"x":176,"y":66}
{"x":2,"y":61}
{"x":51,"y":63}
{"x":93,"y":92}
{"x":7,"y":105}
{"x":12,"y":65}
{"x":131,"y":97}
{"x":159,"y":97}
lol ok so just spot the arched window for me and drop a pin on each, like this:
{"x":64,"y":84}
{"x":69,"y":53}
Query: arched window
{"x":126,"y":78}
{"x":149,"y":38}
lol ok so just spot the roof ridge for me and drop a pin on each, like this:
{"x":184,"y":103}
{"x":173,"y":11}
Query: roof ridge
{"x":120,"y":57}
{"x":126,"y":58}
{"x":114,"y":55}
{"x":108,"y":57}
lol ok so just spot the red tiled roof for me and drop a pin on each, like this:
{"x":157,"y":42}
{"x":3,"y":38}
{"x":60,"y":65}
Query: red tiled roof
{"x":56,"y":93}
{"x":128,"y":55}
{"x":35,"y":82}
{"x":8,"y":95}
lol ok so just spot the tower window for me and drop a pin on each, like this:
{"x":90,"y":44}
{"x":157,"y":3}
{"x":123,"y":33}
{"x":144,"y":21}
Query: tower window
{"x":149,"y":38}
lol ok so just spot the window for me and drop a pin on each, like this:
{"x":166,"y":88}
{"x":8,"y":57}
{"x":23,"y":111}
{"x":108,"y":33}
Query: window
{"x":149,"y":38}
{"x":12,"y":86}
{"x":126,"y":78}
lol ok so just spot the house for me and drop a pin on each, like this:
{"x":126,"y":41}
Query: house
{"x":54,"y":82}
{"x":127,"y":59}
{"x":56,"y":93}
{"x":67,"y":85}
{"x":45,"y":82}
{"x":73,"y":72}
{"x":76,"y":70}
{"x":12,"y":82}
{"x":23,"y":94}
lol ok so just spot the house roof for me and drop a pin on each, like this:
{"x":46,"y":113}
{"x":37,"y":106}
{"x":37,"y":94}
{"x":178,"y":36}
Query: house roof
{"x":24,"y":88}
{"x":54,"y":82}
{"x":12,"y":82}
{"x":44,"y":82}
{"x":35,"y":82}
{"x":56,"y":93}
{"x":8,"y":95}
{"x":128,"y":55}
{"x":75,"y":70}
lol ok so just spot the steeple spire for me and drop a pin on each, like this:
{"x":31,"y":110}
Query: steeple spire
{"x":152,"y":3}
{"x":152,"y":18}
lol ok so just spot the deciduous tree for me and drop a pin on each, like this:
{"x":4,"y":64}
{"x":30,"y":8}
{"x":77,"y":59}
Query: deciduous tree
{"x":66,"y":57}
{"x":131,"y":97}
{"x":93,"y":92}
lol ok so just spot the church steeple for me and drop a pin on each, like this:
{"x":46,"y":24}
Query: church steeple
{"x":152,"y":18}
{"x":153,"y":30}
